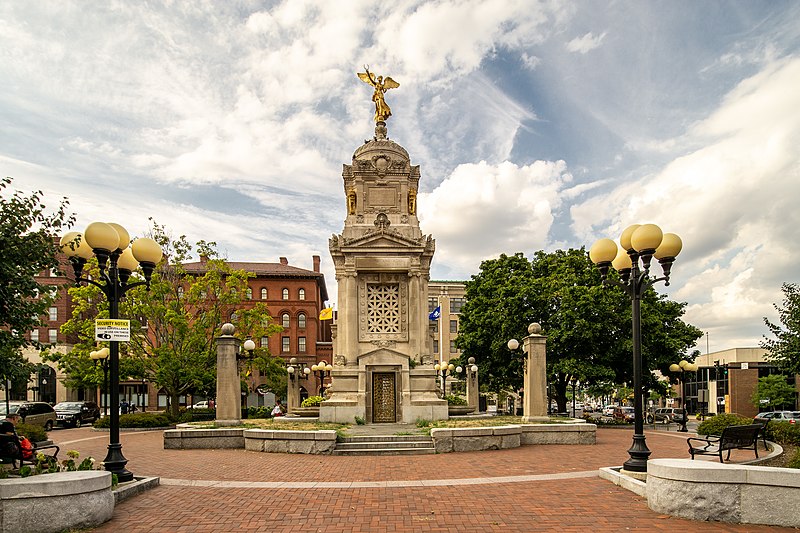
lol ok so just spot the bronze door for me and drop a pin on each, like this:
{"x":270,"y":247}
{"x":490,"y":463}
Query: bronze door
{"x":383,"y":397}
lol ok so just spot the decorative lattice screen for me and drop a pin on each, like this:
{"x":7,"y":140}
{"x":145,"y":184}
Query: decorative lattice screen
{"x":383,"y":308}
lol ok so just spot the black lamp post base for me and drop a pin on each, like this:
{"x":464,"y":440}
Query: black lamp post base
{"x":639,"y":453}
{"x":115,"y":463}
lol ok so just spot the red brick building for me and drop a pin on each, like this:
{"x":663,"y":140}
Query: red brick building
{"x":294,"y":297}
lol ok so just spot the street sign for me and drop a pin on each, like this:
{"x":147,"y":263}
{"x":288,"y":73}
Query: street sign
{"x":745,"y":366}
{"x":106,"y":329}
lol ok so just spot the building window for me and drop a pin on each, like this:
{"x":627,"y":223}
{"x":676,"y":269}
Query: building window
{"x":433,"y":303}
{"x":53,"y":312}
{"x":180,"y":293}
{"x":383,"y":308}
{"x":456,"y":304}
{"x":234,"y":316}
{"x":301,"y":321}
{"x":301,"y":345}
{"x":454,"y":326}
{"x":301,"y":294}
{"x":264,"y":342}
{"x":52,"y":336}
{"x":435,"y":346}
{"x":285,"y":320}
{"x":35,"y":335}
{"x":249,"y":293}
{"x":263,"y":294}
{"x":453,"y":346}
{"x":285,"y":344}
{"x":285,"y":294}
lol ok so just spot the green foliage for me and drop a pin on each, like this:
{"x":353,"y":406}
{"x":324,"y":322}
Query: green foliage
{"x":783,"y":433}
{"x":795,"y":462}
{"x":360,"y":420}
{"x":26,"y":240}
{"x":588,"y":326}
{"x":259,"y":412}
{"x":179,"y":316}
{"x":715,"y":425}
{"x":193,"y":415}
{"x":33,"y":433}
{"x":784,"y":349}
{"x":139,"y":420}
{"x":423,"y":423}
{"x":312,"y":401}
{"x":455,"y":400}
{"x":774,"y":391}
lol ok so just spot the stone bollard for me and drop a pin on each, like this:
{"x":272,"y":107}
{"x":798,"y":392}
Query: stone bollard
{"x":534,"y":406}
{"x":229,"y":394}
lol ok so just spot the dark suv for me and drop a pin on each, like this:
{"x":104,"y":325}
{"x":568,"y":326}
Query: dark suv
{"x":34,"y":413}
{"x":74,"y":414}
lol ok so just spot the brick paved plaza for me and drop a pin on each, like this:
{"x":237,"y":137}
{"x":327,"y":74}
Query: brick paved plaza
{"x":533,"y":488}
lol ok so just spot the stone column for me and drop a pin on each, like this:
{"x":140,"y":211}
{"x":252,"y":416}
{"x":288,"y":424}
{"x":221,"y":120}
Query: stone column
{"x":229,"y":392}
{"x":293,"y":386}
{"x":472,"y":385}
{"x":534,"y":407}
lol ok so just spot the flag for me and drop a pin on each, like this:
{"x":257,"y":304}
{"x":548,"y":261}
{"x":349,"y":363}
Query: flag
{"x":326,"y":314}
{"x":436,"y":313}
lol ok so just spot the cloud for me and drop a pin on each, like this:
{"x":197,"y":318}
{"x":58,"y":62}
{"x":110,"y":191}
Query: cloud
{"x":732,"y":201}
{"x":586,"y":43}
{"x":482,"y":210}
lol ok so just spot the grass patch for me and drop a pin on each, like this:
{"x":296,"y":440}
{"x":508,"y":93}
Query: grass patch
{"x":269,"y":423}
{"x":427,"y":425}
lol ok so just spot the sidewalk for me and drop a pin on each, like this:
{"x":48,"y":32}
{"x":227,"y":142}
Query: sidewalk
{"x":532,"y":488}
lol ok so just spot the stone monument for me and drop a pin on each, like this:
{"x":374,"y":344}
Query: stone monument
{"x":229,"y":391}
{"x":382,"y":344}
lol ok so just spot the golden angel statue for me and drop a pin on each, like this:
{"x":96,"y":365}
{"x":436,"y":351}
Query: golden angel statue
{"x":381,"y":84}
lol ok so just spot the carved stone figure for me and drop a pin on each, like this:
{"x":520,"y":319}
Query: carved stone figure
{"x":351,"y":202}
{"x":412,"y":201}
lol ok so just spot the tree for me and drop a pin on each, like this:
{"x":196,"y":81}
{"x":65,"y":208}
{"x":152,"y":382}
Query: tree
{"x":174,"y":324}
{"x":27,"y":229}
{"x":784,"y":349}
{"x":588,"y":326}
{"x":772,"y":392}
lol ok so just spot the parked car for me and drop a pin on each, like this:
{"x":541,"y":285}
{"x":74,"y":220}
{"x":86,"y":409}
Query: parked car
{"x":200,"y":405}
{"x":34,"y":413}
{"x":74,"y":414}
{"x":608,"y":410}
{"x":666,"y":415}
{"x":780,"y":416}
{"x":624,"y":414}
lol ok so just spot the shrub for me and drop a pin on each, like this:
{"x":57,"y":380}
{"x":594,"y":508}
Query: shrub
{"x":360,"y":420}
{"x":191,"y":415}
{"x":312,"y":401}
{"x":795,"y":462}
{"x":33,"y":433}
{"x":455,"y":400}
{"x":715,"y":425}
{"x":259,"y":412}
{"x":138,"y":420}
{"x":783,"y":433}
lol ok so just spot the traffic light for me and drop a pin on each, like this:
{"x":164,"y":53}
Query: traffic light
{"x":716,"y":370}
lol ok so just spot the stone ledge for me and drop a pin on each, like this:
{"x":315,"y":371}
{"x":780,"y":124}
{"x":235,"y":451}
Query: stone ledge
{"x":704,"y":490}
{"x":73,"y":500}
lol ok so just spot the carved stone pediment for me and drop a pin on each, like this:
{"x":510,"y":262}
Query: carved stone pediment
{"x":383,"y":239}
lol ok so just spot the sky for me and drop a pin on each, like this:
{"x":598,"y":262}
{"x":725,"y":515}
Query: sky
{"x":536,"y":125}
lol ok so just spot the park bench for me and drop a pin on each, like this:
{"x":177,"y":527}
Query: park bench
{"x":732,"y":438}
{"x":11,"y":451}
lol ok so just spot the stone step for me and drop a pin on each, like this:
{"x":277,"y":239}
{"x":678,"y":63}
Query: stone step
{"x":384,"y":451}
{"x":387,"y":438}
{"x":376,"y":445}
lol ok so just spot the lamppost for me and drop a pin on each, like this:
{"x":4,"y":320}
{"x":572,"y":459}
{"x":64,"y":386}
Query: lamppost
{"x":101,"y":356}
{"x":441,"y":372}
{"x":637,"y":242}
{"x":117,"y":262}
{"x":296,"y":372}
{"x":574,"y":383}
{"x":321,"y":370}
{"x":683,"y":367}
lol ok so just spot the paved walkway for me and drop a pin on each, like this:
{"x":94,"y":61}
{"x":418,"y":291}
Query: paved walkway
{"x":532,"y":488}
